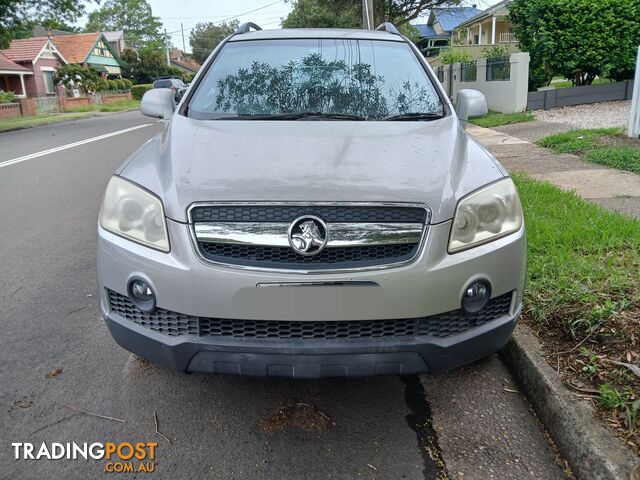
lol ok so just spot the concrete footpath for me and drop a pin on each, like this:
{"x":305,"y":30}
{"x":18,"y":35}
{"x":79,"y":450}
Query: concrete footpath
{"x":611,"y":188}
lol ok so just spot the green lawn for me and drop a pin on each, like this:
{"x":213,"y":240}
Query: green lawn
{"x":495,"y":119}
{"x":583,"y":270}
{"x":109,"y":107}
{"x":605,"y":146}
{"x":73,"y":114}
{"x":567,"y":83}
{"x":36,"y":120}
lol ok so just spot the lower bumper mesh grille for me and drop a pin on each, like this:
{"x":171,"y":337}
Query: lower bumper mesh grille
{"x":441,"y":325}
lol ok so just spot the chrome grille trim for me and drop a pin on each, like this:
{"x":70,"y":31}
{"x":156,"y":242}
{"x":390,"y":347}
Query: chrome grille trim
{"x":340,"y":234}
{"x":364,"y":211}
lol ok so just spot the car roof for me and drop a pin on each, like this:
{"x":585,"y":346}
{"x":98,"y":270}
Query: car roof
{"x":342,"y":33}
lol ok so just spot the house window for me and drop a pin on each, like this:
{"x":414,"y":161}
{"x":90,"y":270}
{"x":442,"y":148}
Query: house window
{"x":48,"y":81}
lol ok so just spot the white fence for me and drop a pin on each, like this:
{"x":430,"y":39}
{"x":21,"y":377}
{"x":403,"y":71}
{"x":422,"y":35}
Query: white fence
{"x":503,"y":82}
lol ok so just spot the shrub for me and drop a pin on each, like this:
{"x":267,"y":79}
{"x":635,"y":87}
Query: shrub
{"x":451,"y":55}
{"x":7,"y":97}
{"x":127,"y":83}
{"x":120,"y":84}
{"x":112,"y":84}
{"x":76,"y":76}
{"x":102,"y":85}
{"x":137,"y":91}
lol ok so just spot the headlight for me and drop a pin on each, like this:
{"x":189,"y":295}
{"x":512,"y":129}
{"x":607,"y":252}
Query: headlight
{"x":486,"y":215}
{"x":132,"y":212}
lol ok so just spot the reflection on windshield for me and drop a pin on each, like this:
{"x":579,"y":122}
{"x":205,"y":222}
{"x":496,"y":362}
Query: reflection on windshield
{"x":373,"y":89}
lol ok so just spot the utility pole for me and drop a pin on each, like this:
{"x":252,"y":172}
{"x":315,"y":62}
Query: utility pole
{"x":367,"y":14}
{"x":184,"y":49}
{"x":166,"y":41}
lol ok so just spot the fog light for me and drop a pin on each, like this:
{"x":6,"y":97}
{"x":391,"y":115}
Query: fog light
{"x":476,"y":296}
{"x":141,"y":294}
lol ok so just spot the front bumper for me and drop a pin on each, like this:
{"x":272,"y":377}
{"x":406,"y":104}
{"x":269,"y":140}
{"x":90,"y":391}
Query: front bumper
{"x":313,"y":358}
{"x":430,"y":285}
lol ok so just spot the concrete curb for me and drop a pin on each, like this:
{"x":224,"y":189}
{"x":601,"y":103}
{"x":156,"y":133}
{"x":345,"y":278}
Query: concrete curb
{"x":591,"y":450}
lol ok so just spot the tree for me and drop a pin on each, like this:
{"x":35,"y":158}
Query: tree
{"x":206,"y":36}
{"x":348,"y":13}
{"x":17,"y":15}
{"x":324,"y":14}
{"x":134,"y":17}
{"x":143,"y":65}
{"x":580,"y":39}
{"x":86,"y":79}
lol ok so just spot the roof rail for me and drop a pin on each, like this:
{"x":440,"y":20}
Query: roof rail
{"x":388,"y":27}
{"x":246,"y":27}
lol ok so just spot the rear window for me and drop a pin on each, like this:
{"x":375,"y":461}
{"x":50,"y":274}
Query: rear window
{"x":162,"y":84}
{"x":369,"y":78}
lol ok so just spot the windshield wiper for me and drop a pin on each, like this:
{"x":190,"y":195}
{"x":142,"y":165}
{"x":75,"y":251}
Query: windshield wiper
{"x":414,"y":116}
{"x":294,"y":116}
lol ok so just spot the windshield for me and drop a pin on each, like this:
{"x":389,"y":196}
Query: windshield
{"x":162,"y":84}
{"x":370,"y":79}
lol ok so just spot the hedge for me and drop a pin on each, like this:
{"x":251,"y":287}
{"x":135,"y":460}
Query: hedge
{"x":137,"y":91}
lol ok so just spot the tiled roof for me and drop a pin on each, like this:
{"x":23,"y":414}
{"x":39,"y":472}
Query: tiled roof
{"x":487,"y":12}
{"x":8,"y":64}
{"x":75,"y":48}
{"x":25,"y":49}
{"x":450,"y":18}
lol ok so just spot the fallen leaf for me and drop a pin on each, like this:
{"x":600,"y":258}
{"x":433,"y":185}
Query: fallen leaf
{"x":54,"y":373}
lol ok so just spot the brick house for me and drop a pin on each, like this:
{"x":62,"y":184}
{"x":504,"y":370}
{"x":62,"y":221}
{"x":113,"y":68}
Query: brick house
{"x":12,"y":76}
{"x":90,"y":49}
{"x":38,"y":56}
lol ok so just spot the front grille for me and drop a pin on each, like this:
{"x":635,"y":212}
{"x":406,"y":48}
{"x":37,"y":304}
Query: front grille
{"x":286,"y":213}
{"x":442,"y":325}
{"x":161,"y":320}
{"x":247,"y":252}
{"x":276,"y":256}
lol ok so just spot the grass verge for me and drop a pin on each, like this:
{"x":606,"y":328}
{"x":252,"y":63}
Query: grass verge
{"x":495,"y":119}
{"x":605,"y":146}
{"x":37,"y":120}
{"x":108,"y":107}
{"x":583,"y":299}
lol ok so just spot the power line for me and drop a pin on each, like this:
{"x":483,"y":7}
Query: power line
{"x":239,"y":14}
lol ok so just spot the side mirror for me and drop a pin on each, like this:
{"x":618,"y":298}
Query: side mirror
{"x":470,"y":104}
{"x":158,"y":103}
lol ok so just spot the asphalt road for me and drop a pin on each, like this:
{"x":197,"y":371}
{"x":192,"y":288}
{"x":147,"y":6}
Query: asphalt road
{"x":463,"y":424}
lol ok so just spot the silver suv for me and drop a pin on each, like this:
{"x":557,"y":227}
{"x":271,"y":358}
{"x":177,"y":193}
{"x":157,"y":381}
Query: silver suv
{"x":313,"y":208}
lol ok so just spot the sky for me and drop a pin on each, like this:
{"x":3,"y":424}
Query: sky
{"x":266,"y":13}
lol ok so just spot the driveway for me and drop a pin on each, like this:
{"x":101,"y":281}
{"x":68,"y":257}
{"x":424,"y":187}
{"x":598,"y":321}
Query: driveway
{"x":60,"y":369}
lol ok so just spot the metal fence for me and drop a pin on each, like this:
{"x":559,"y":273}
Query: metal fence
{"x":468,"y":72}
{"x":47,"y":104}
{"x":498,"y":69}
{"x":561,"y":97}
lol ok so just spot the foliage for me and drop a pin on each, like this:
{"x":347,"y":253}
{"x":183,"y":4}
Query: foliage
{"x":120,"y":84}
{"x":605,"y":146}
{"x":496,"y":52}
{"x":18,"y":16}
{"x":143,"y":65}
{"x":206,"y":36}
{"x":141,"y":28}
{"x":137,"y":91}
{"x":102,"y":85}
{"x":112,"y":85}
{"x":317,"y":85}
{"x":87,"y":79}
{"x":580,"y":39}
{"x":324,"y":14}
{"x":495,"y":119}
{"x":7,"y":97}
{"x":127,"y":83}
{"x":453,"y":55}
{"x":348,"y":13}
